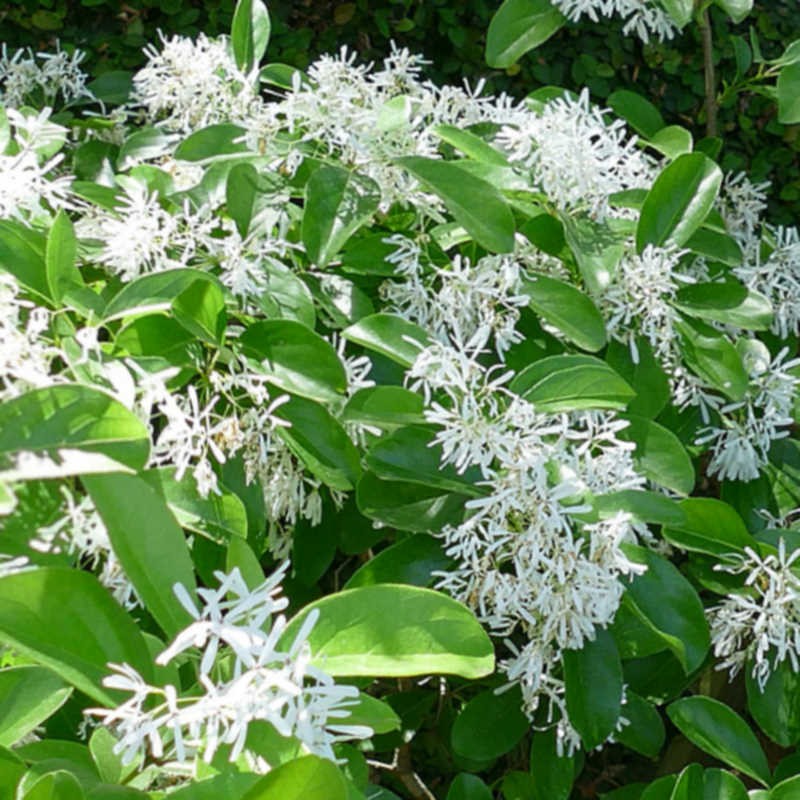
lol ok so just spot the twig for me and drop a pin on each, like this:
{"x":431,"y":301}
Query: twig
{"x":709,"y":73}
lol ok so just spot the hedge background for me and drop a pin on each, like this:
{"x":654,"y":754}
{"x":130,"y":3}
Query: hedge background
{"x":452,"y":35}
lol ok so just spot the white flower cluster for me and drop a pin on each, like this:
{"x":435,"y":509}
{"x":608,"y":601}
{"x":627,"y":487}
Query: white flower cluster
{"x":24,"y":75}
{"x":576,"y":156}
{"x":642,"y":17}
{"x":463,"y":300}
{"x":526,"y":564}
{"x":27,"y":167}
{"x":188,"y":84}
{"x":761,"y":623}
{"x":244,"y":675}
{"x":740,"y":445}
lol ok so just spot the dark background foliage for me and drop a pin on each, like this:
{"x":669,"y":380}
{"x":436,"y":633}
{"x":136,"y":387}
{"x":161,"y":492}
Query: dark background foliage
{"x":451,"y":35}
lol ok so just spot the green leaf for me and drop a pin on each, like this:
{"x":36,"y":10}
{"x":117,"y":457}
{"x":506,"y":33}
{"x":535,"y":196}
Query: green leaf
{"x":145,"y":143}
{"x":337,"y":204}
{"x":412,"y":561}
{"x":639,"y":113}
{"x":593,"y":679}
{"x":721,"y":785}
{"x":737,"y":10}
{"x":28,"y":696}
{"x":408,"y":506}
{"x":468,"y":787}
{"x":776,"y":708}
{"x":716,"y":247}
{"x":65,"y":620}
{"x":718,"y":730}
{"x":689,"y":785}
{"x":553,"y":773}
{"x":241,"y":193}
{"x":709,"y":526}
{"x":214,"y":143}
{"x":678,"y":202}
{"x":320,"y":442}
{"x":664,"y":600}
{"x":69,"y":419}
{"x":390,"y":335}
{"x":672,"y":141}
{"x":645,"y":732}
{"x":152,"y":293}
{"x":475,"y":204}
{"x":219,"y":517}
{"x":597,"y":249}
{"x":410,"y":454}
{"x":390,"y":630}
{"x":785,"y":790}
{"x":789,"y":94}
{"x":200,"y":308}
{"x":306,"y":778}
{"x":58,"y":785}
{"x":374,"y":713}
{"x":711,"y":356}
{"x":470,"y":145}
{"x":489,"y":725}
{"x":296,"y":359}
{"x":22,"y":254}
{"x":250,"y":32}
{"x":659,"y":454}
{"x":568,"y":309}
{"x":646,"y":376}
{"x":572,"y":383}
{"x":386,"y":407}
{"x":519,"y":26}
{"x":148,"y":543}
{"x":60,"y":253}
{"x":729,"y":303}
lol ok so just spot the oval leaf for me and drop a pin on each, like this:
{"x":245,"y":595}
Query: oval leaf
{"x":519,"y":26}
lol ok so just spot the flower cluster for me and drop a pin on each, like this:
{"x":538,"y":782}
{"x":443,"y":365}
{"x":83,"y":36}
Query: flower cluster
{"x":245,"y":674}
{"x":644,"y":18}
{"x":759,"y":625}
{"x":41,"y":77}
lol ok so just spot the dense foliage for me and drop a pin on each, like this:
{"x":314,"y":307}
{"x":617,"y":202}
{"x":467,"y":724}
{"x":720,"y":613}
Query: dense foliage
{"x":365,"y":437}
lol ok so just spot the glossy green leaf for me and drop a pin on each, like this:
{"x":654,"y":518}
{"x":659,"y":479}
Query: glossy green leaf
{"x":395,"y":631}
{"x":374,"y":713}
{"x":785,"y":790}
{"x":58,"y":785}
{"x":659,"y":454}
{"x":489,"y":725}
{"x":296,"y":359}
{"x":338,"y":203}
{"x":776,"y":707}
{"x":475,"y":204}
{"x":689,"y":785}
{"x":408,"y":506}
{"x":645,"y":732}
{"x":60,"y":253}
{"x":646,"y":506}
{"x":71,"y":419}
{"x":320,"y":442}
{"x":519,"y":26}
{"x":709,"y":526}
{"x":412,"y":560}
{"x":22,"y":254}
{"x":305,"y":778}
{"x":250,"y":32}
{"x":572,"y":383}
{"x":729,"y":303}
{"x":553,"y":772}
{"x":669,"y":604}
{"x":213,"y":143}
{"x":468,"y":787}
{"x":645,"y":375}
{"x":411,"y":454}
{"x":386,"y":407}
{"x":672,"y":141}
{"x":28,"y":696}
{"x":678,"y":202}
{"x":66,"y":620}
{"x":638,"y":112}
{"x":789,"y":94}
{"x":148,"y":543}
{"x":568,"y":309}
{"x":721,"y":785}
{"x":200,"y":308}
{"x":737,"y":10}
{"x":597,"y":249}
{"x":710,"y":355}
{"x":470,"y":145}
{"x":680,"y":10}
{"x":593,"y":679}
{"x":718,"y":730}
{"x":390,"y":335}
{"x":145,"y":143}
{"x":716,"y":247}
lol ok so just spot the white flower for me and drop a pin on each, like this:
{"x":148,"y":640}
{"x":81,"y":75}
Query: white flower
{"x":279,"y":686}
{"x":59,"y":73}
{"x":762,"y":622}
{"x":188,"y":84}
{"x":642,"y":17}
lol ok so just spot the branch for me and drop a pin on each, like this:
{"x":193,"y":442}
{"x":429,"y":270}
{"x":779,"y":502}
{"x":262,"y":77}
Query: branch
{"x":709,"y":73}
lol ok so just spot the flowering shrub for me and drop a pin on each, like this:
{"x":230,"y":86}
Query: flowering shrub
{"x":494,"y":398}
